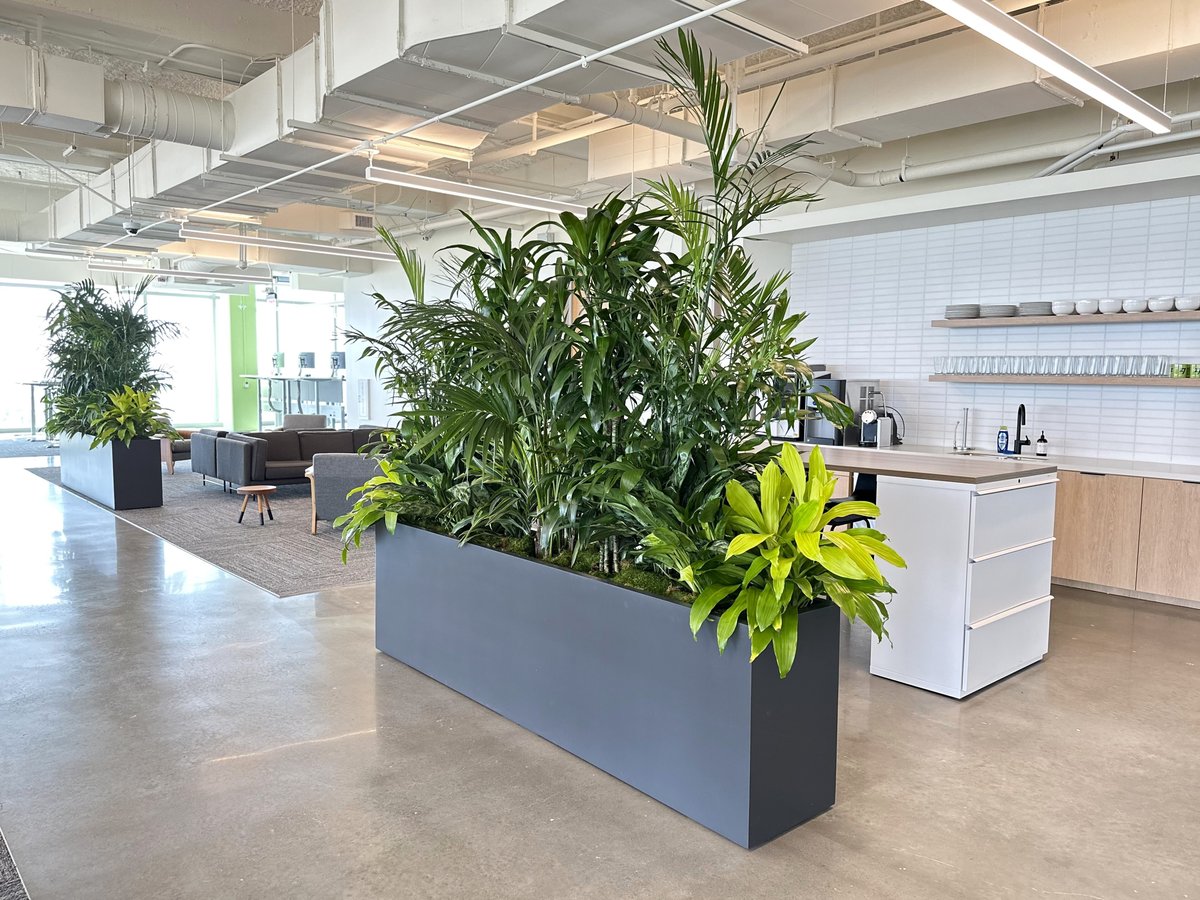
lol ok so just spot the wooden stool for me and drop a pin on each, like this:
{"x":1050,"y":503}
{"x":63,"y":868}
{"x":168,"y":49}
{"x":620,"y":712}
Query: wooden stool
{"x":262,"y":496}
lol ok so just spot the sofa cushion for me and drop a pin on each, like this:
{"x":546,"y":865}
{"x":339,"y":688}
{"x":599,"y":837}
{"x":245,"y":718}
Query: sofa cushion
{"x":366,"y":434}
{"x":324,"y":442}
{"x":286,"y":468}
{"x":280,"y":444}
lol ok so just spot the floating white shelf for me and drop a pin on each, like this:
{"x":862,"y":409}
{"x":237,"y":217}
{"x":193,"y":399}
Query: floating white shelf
{"x":1160,"y":318}
{"x":1103,"y":380}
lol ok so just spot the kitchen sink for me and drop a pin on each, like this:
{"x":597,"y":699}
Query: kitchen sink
{"x":987,"y":454}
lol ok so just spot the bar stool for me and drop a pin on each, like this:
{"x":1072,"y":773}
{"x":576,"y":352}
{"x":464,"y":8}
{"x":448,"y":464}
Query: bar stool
{"x":864,"y":490}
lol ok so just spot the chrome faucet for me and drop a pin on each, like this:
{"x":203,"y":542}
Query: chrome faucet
{"x":965,"y":443}
{"x":1020,"y":441}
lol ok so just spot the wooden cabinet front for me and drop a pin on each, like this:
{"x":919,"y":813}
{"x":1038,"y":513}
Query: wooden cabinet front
{"x":1170,"y":520}
{"x":1097,"y":521}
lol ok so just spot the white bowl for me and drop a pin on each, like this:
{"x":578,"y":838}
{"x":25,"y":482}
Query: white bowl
{"x":1063,"y":307}
{"x":1109,"y":306}
{"x":1135,"y":305}
{"x":1162,"y":304}
{"x":1086,"y":307}
{"x":1187,"y":304}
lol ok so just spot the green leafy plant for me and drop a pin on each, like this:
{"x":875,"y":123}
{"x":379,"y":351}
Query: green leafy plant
{"x":98,"y":345}
{"x":779,"y":557}
{"x":127,"y":415}
{"x":591,"y":393}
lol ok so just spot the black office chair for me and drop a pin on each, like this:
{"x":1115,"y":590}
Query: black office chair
{"x":864,"y":489}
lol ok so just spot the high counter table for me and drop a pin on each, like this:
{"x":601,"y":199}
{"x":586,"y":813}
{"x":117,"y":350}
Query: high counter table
{"x":973,"y":606}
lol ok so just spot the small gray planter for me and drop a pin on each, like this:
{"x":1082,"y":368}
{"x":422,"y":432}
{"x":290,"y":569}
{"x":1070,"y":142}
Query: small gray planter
{"x":120,"y":477}
{"x":613,"y":676}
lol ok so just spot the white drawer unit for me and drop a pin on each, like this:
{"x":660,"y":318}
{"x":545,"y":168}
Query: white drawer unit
{"x":1005,"y":643}
{"x":1010,"y":515}
{"x":1008,"y":578}
{"x":973,"y":606}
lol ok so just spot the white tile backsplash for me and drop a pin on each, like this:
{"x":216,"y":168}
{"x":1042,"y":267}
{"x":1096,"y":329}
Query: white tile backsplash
{"x":870,"y":300}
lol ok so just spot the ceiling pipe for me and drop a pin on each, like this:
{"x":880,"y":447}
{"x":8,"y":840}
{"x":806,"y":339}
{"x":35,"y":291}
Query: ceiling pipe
{"x":1079,"y":154}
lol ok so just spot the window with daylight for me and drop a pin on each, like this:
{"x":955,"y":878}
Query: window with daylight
{"x":191,"y":358}
{"x":22,"y":353}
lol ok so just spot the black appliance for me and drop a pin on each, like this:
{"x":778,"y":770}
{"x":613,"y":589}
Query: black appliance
{"x":814,"y":428}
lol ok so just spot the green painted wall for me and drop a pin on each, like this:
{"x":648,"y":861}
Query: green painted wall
{"x":243,"y":357}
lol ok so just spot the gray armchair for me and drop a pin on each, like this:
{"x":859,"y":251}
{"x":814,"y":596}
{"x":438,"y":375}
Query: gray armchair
{"x":334,"y":475}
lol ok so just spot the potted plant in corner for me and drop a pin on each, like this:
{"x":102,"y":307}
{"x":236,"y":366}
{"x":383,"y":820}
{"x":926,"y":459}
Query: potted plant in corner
{"x":582,"y":482}
{"x":103,"y":406}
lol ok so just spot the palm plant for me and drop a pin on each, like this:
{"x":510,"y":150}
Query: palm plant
{"x":99,"y":345}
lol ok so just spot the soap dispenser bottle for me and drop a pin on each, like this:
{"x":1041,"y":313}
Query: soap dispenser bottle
{"x":1043,"y":445}
{"x":1002,"y":439}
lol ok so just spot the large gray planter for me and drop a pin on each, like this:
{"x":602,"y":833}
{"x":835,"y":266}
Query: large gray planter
{"x":613,"y":676}
{"x":120,"y":477}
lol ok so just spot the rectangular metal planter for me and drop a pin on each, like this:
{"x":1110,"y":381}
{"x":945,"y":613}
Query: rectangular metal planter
{"x":614,"y":676}
{"x":120,"y":477}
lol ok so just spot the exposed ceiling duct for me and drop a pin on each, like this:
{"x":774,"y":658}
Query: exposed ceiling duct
{"x":65,"y":94}
{"x":140,"y":110}
{"x":297,"y":135}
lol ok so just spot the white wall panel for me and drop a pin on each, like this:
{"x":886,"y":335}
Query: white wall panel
{"x":870,"y":300}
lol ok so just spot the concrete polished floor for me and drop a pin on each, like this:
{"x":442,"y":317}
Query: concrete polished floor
{"x":167,"y":730}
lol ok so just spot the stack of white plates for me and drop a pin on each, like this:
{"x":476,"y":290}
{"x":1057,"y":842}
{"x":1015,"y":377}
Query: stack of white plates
{"x":962,"y":311}
{"x":1036,"y":308}
{"x":997,"y":310}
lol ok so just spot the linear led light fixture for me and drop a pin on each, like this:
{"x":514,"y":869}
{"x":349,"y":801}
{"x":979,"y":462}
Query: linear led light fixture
{"x":757,"y":29}
{"x":182,"y":276}
{"x":471,"y":191}
{"x":266,"y":243}
{"x":996,"y":25}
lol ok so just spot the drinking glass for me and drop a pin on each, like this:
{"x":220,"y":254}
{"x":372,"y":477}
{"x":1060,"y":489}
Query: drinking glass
{"x":1079,"y":365}
{"x":939,"y":365}
{"x":1044,"y":365}
{"x":1027,"y":364}
{"x":973,"y":365}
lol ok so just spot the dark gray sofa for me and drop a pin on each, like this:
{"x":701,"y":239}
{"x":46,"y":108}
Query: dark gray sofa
{"x":334,"y":476}
{"x":204,"y":452}
{"x":280,"y":457}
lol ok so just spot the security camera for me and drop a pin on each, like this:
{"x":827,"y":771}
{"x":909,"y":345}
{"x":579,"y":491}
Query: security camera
{"x":131,"y":227}
{"x":70,"y":151}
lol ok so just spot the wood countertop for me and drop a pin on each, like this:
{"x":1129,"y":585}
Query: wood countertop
{"x":930,"y":466}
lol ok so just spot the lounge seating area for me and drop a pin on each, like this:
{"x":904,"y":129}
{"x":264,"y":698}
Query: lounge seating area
{"x":270,"y":457}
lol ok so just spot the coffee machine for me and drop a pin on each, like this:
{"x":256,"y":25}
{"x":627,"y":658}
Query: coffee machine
{"x":874,"y":425}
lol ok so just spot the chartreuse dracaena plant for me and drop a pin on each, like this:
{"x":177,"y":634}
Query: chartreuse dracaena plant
{"x":126,"y":415}
{"x":780,"y":558}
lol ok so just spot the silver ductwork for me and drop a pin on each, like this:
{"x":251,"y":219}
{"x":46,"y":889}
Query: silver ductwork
{"x":140,"y":110}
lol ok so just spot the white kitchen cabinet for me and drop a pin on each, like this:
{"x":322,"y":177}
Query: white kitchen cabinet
{"x":973,"y":606}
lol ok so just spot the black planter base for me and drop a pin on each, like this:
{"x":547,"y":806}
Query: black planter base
{"x":613,"y":676}
{"x":120,"y":477}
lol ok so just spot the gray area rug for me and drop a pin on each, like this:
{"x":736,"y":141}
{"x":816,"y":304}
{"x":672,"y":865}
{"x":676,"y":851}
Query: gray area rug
{"x":11,"y":886}
{"x":282,"y":557}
